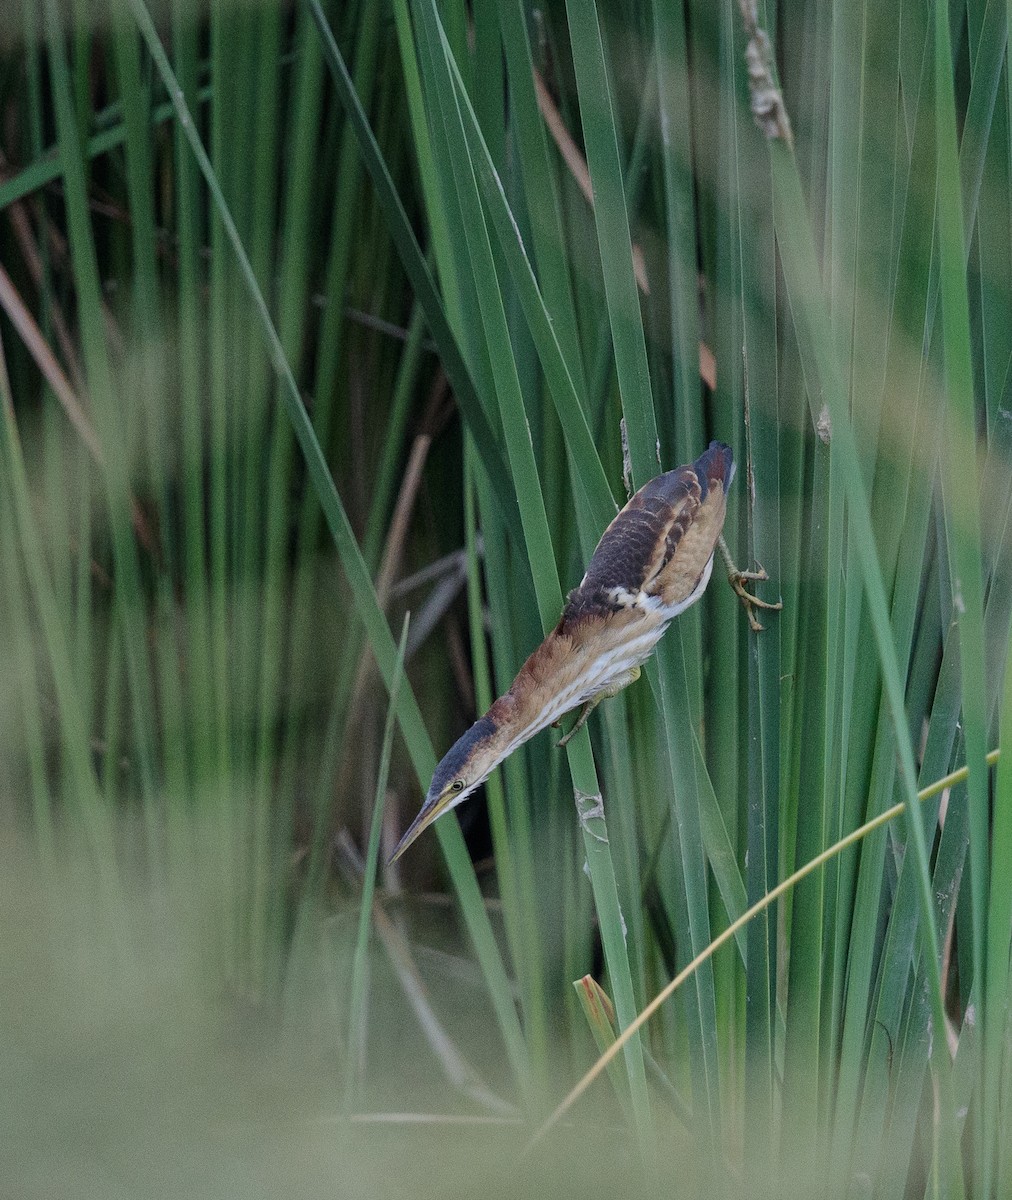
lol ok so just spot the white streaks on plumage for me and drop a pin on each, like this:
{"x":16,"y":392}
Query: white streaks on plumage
{"x":640,"y":600}
{"x":653,"y":604}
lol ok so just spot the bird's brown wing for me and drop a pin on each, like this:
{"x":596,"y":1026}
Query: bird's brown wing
{"x":660,"y":543}
{"x":642,"y":538}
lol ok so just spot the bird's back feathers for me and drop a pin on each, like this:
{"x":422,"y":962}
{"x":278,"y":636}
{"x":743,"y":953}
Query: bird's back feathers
{"x":657,"y":548}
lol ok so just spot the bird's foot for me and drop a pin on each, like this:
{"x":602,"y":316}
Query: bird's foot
{"x":737,"y":579}
{"x":750,"y":601}
{"x":581,"y":720}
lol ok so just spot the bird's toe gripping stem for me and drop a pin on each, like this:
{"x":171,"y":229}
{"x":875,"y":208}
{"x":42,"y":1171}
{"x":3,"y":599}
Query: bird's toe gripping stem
{"x":581,"y":720}
{"x":737,"y":579}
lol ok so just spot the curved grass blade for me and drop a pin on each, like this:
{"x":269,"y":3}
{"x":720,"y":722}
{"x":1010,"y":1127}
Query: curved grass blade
{"x":421,"y":279}
{"x":537,"y":535}
{"x":364,"y":594}
{"x":771,"y":897}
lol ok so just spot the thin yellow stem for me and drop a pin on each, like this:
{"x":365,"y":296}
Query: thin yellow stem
{"x":615,"y":1048}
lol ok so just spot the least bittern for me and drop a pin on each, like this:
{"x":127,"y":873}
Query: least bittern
{"x":652,"y":562}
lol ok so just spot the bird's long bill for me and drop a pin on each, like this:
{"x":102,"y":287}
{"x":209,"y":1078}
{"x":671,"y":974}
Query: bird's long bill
{"x":429,"y":811}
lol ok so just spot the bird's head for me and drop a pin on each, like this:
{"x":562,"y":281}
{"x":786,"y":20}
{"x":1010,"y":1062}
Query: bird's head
{"x":465,"y":766}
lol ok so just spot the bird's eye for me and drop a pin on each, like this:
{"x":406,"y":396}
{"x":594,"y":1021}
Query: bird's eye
{"x":457,"y":785}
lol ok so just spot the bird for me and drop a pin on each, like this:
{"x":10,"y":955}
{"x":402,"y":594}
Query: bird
{"x":653,"y":561}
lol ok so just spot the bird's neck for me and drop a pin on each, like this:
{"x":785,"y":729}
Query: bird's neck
{"x":538,"y":696}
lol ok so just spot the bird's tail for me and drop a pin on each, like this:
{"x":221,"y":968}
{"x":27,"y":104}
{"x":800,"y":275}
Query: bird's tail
{"x":715,"y":463}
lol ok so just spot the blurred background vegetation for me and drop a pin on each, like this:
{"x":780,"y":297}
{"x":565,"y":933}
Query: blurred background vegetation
{"x":332,"y":336}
